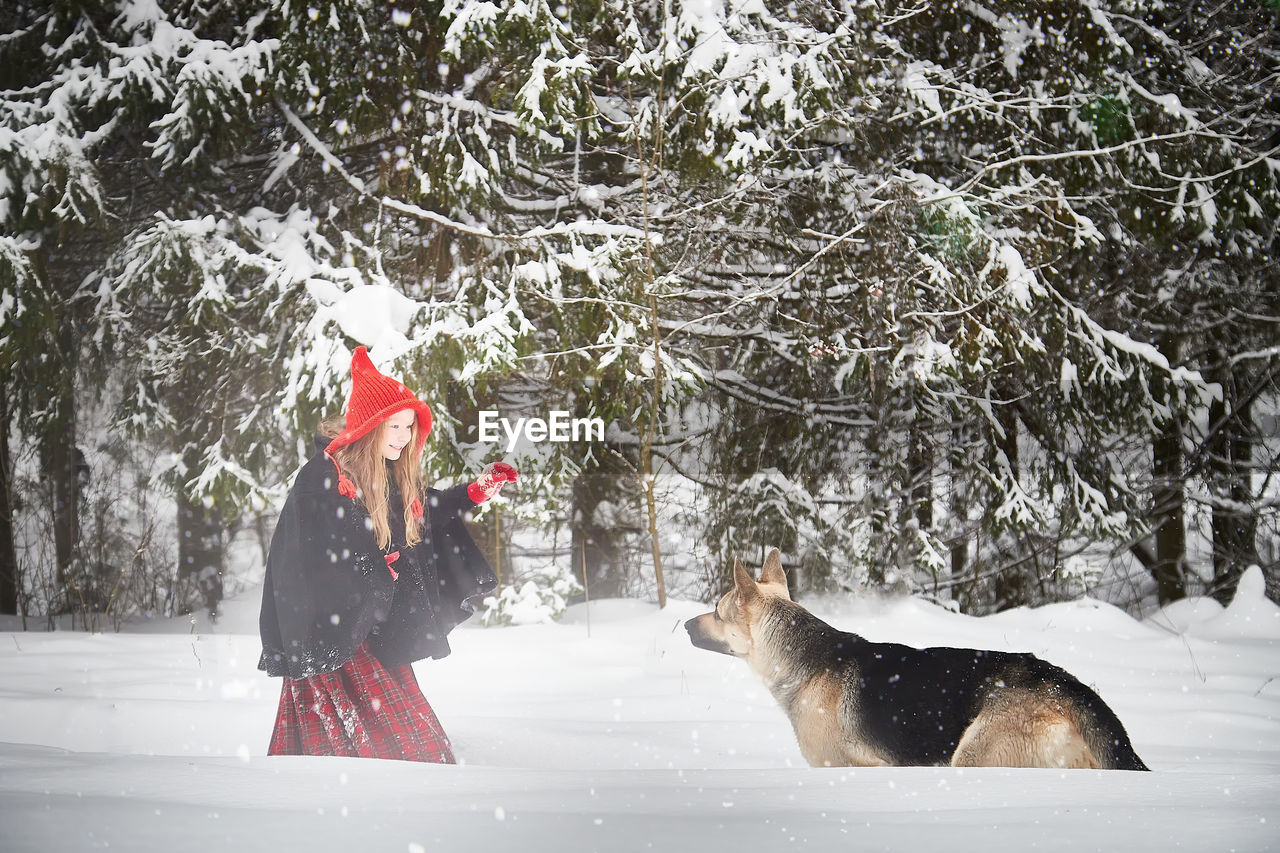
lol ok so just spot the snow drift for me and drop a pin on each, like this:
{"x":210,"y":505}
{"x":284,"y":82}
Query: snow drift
{"x":608,"y":731}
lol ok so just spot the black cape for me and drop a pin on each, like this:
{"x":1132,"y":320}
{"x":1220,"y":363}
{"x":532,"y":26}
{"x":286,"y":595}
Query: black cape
{"x":328,"y":589}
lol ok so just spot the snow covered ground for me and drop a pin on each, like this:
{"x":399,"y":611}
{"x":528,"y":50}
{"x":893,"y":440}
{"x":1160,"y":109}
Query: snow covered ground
{"x":618,"y":735}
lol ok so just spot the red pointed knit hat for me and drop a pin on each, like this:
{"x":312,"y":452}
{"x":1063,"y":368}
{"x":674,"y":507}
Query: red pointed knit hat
{"x":374,"y":398}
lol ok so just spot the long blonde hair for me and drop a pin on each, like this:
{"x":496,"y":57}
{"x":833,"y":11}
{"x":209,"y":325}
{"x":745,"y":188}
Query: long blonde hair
{"x":363,"y":463}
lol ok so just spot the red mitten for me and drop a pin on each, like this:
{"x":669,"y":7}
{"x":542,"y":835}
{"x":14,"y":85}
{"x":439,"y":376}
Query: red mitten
{"x":494,"y":476}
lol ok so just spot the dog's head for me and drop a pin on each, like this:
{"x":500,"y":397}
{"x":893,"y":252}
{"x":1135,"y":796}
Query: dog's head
{"x":727,"y":629}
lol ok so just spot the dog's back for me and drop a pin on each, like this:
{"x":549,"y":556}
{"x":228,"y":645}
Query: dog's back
{"x":918,"y":705}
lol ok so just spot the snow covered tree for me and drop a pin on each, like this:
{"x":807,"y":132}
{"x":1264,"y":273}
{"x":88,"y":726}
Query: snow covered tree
{"x":1214,"y":211}
{"x":112,"y":114}
{"x":50,"y":199}
{"x":937,"y":293}
{"x":884,"y":225}
{"x":1069,"y":135}
{"x":1190,"y":201}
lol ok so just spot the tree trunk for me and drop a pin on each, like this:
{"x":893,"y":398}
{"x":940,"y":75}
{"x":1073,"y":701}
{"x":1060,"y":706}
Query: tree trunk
{"x":55,"y":375}
{"x":959,"y":508}
{"x":646,"y":474}
{"x":61,"y":462}
{"x":200,"y":550}
{"x":920,"y":465}
{"x":916,"y":514}
{"x":1010,"y":582}
{"x":1168,"y":498}
{"x":60,"y":467}
{"x":1235,"y":524}
{"x":9,"y":586}
{"x":646,"y":447}
{"x":878,"y":509}
{"x":594,"y":544}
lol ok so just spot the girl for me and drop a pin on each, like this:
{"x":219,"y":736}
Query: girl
{"x":364,"y":578}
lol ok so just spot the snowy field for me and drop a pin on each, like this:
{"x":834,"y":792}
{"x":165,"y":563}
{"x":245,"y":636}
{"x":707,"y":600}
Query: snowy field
{"x":618,"y":735}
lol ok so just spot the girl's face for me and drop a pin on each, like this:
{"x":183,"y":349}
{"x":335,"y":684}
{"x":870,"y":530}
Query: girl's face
{"x":397,"y":433}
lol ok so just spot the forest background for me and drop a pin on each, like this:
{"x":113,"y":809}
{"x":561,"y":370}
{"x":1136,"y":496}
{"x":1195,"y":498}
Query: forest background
{"x":974,"y":299}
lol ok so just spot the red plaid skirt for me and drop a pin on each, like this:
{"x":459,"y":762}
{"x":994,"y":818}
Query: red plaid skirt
{"x":363,"y":710}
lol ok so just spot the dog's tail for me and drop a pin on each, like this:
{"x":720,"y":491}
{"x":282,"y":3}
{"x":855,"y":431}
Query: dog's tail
{"x":1100,"y":727}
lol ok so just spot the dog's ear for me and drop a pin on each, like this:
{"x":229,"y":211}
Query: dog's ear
{"x":772,"y":570}
{"x":742,"y":580}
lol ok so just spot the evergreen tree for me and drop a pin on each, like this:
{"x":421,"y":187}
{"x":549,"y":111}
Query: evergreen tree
{"x":55,"y":115}
{"x":924,"y":293}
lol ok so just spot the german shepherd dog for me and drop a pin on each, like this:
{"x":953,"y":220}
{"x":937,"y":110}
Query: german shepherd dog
{"x":857,"y":703}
